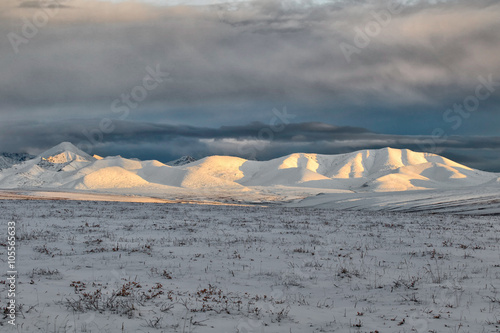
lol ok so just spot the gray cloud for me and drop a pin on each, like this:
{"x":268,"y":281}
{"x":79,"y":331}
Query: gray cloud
{"x":261,"y":51}
{"x":227,"y":65}
{"x":166,"y":142}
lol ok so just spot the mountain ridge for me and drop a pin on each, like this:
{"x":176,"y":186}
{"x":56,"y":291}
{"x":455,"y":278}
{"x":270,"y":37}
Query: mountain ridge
{"x":182,"y":161}
{"x":7,"y":160}
{"x":377,"y":170}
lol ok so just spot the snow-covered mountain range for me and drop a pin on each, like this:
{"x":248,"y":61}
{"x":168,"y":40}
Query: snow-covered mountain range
{"x":67,"y":167}
{"x":7,"y":160}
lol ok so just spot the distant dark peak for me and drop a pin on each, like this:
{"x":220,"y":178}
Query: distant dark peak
{"x":182,"y":161}
{"x":7,"y":160}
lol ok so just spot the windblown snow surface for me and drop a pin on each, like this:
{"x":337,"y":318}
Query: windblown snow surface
{"x":142,"y":267}
{"x":368,"y":179}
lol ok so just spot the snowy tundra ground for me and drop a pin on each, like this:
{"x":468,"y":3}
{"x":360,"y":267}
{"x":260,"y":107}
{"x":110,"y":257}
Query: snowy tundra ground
{"x":89,"y":266}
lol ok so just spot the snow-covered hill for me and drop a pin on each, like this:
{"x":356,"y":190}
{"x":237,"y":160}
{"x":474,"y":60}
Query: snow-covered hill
{"x":67,"y":167}
{"x":7,"y":160}
{"x":64,"y":153}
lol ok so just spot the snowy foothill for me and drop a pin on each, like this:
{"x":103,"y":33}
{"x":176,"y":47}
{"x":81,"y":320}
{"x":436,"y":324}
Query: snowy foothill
{"x":366,"y":179}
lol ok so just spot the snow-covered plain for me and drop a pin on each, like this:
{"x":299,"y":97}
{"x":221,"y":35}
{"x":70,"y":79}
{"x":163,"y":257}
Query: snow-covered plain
{"x":96,"y":266}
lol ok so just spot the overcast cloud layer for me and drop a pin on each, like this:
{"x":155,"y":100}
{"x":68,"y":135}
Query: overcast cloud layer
{"x":230,"y":65}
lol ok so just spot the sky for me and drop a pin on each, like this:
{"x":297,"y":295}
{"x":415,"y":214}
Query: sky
{"x":160,"y":79}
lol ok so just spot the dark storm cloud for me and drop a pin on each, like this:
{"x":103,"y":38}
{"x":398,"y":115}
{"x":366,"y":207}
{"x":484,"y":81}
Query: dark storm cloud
{"x":224,"y":64}
{"x":167,"y":142}
{"x":49,"y":134}
{"x":95,"y":51}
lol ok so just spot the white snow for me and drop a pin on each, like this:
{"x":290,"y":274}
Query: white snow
{"x":143,"y":267}
{"x":7,"y":160}
{"x":292,"y":177}
{"x":121,"y":245}
{"x":65,"y":152}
